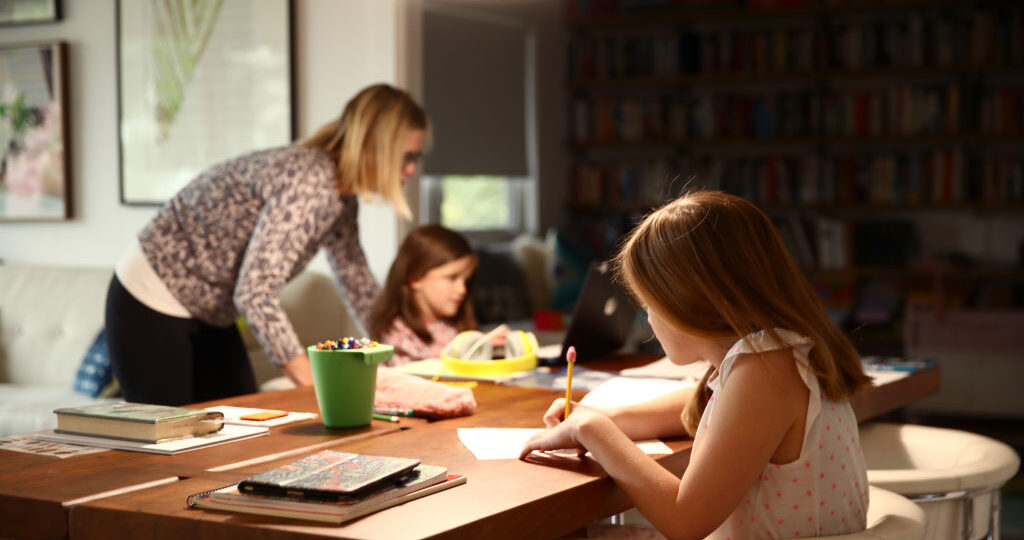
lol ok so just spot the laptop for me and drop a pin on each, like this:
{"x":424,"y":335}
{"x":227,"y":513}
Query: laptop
{"x":601,"y":320}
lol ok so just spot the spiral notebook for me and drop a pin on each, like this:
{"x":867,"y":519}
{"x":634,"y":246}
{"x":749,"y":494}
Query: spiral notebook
{"x":424,"y":480}
{"x":329,"y":475}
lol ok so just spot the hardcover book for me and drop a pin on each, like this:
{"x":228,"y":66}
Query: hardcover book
{"x":422,"y":481}
{"x":137,"y":421}
{"x":230,"y":433}
{"x":329,"y":475}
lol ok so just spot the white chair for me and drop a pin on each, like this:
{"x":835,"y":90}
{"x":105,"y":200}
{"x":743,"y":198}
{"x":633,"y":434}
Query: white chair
{"x":891,"y":516}
{"x":954,"y":476}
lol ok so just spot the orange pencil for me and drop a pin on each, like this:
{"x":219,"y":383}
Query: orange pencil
{"x":570,"y":357}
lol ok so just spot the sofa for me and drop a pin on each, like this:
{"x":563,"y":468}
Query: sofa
{"x":51,"y":317}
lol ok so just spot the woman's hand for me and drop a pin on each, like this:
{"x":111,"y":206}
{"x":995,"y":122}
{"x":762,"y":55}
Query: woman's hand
{"x":565,"y":434}
{"x":299,"y":371}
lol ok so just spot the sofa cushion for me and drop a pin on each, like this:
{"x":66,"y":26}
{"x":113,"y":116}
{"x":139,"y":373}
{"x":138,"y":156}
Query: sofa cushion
{"x":27,"y":408}
{"x":48,"y":318}
{"x":95,"y":372}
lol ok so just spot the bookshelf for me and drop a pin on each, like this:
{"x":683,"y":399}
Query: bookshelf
{"x":846,"y":120}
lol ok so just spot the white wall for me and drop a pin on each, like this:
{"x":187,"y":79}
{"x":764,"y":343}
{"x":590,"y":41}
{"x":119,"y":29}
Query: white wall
{"x":340,"y":47}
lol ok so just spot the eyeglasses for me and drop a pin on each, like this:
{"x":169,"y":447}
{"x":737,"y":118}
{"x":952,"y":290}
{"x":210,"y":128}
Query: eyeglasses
{"x":411,"y":157}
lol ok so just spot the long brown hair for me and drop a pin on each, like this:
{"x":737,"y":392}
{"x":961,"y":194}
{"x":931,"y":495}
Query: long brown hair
{"x":713,"y":265}
{"x":425,"y":248}
{"x":366,"y":140}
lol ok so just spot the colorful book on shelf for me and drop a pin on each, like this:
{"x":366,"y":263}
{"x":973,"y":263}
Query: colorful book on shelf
{"x":230,"y":433}
{"x":329,"y":475}
{"x":422,"y":481}
{"x":137,"y":421}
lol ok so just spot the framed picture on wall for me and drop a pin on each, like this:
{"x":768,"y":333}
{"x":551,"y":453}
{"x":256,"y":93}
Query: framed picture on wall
{"x":29,"y":11}
{"x":199,"y":83}
{"x":34,"y":182}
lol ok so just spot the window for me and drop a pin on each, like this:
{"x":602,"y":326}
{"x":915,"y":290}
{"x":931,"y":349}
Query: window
{"x":479,"y":89}
{"x":481,"y":206}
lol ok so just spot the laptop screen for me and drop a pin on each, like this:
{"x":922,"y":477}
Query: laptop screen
{"x":603,"y":316}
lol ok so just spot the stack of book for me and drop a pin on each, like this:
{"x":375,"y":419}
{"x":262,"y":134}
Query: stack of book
{"x":330,"y":486}
{"x":144,"y":427}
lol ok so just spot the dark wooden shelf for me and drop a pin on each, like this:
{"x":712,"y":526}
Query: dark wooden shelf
{"x":802,"y":143}
{"x":938,"y":75}
{"x":811,"y":11}
{"x":862,"y":208}
{"x":671,"y":84}
{"x":944,"y":273}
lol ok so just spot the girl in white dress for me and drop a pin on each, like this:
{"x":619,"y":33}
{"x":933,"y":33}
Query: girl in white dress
{"x":776,"y":452}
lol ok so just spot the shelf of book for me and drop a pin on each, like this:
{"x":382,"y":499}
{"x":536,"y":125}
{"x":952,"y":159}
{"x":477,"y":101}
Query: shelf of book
{"x":672,"y":82}
{"x":838,"y":117}
{"x":588,"y":14}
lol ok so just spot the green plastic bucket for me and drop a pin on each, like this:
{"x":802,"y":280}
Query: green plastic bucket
{"x":345,"y":382}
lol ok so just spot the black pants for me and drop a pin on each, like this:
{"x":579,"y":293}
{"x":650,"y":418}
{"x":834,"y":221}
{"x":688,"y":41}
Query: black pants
{"x":169,"y":360}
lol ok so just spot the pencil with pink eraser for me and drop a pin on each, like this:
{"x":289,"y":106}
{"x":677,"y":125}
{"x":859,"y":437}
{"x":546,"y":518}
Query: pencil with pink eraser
{"x":570,"y":357}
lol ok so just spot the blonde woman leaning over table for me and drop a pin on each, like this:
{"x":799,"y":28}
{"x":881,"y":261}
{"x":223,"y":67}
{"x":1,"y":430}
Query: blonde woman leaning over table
{"x":228,"y":242}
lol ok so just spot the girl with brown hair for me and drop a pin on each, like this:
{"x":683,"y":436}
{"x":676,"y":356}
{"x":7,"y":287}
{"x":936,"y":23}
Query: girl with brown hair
{"x":776,"y":452}
{"x":425,"y":301}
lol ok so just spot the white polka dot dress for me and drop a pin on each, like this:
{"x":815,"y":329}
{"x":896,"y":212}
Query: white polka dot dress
{"x":825,"y":492}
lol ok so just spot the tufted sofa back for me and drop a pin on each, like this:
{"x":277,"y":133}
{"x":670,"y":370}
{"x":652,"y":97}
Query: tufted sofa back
{"x":49,"y":316}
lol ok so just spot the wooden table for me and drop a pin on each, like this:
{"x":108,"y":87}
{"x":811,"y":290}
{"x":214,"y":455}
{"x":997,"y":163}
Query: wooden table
{"x":36,"y":491}
{"x":502,"y":499}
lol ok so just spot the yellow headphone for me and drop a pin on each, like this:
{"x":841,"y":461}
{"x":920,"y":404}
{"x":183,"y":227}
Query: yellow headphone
{"x":471,"y":353}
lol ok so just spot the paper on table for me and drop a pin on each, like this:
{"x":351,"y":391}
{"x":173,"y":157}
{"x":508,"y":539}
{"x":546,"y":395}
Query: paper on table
{"x":232,"y":415}
{"x":881,"y":377}
{"x":663,"y":368}
{"x":621,"y":391}
{"x":28,"y":444}
{"x":505,"y":443}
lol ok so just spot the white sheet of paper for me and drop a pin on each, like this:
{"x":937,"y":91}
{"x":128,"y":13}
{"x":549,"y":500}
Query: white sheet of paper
{"x":880,"y":377}
{"x":505,"y":443}
{"x":663,"y":368}
{"x":621,"y":391}
{"x":28,"y":444}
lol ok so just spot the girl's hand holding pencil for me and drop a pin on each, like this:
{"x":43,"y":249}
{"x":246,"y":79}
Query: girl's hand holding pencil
{"x":564,"y":433}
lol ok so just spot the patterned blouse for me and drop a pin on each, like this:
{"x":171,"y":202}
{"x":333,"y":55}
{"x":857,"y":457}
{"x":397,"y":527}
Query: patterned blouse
{"x":409,"y":347}
{"x":825,"y":491}
{"x":231,"y":239}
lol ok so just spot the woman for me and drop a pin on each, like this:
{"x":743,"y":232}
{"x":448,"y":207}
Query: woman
{"x":230,"y":240}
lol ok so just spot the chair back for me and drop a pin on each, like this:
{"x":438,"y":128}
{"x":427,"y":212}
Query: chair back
{"x":953,"y":475}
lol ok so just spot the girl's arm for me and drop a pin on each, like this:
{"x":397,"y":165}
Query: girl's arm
{"x":764,"y":402}
{"x":659,"y":417}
